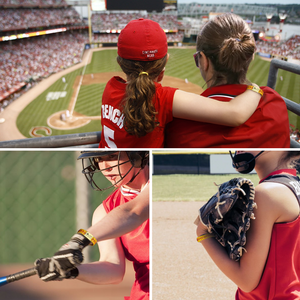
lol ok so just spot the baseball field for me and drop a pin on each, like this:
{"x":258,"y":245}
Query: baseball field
{"x":70,"y":101}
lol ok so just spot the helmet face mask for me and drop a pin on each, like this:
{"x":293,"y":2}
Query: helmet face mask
{"x":244,"y":162}
{"x":91,"y":160}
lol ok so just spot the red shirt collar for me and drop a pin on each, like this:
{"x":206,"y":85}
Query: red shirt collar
{"x":287,"y":171}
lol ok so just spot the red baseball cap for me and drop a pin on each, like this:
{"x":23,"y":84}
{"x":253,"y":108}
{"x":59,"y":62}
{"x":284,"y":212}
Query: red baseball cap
{"x":143,"y":40}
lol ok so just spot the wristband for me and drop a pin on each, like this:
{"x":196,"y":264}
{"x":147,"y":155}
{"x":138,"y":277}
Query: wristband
{"x":203,"y":237}
{"x":255,"y":88}
{"x":88,"y":236}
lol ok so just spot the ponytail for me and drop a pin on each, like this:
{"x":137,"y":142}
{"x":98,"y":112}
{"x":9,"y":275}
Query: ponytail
{"x":138,"y":104}
{"x":234,"y":52}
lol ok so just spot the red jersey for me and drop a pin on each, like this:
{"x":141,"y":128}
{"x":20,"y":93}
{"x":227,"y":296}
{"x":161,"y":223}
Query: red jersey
{"x":281,"y":276}
{"x":268,"y":127}
{"x":112,"y":119}
{"x":135,"y":245}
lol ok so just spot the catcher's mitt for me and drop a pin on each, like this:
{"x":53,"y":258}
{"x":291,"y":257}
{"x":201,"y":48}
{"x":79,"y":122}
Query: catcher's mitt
{"x":227,"y":215}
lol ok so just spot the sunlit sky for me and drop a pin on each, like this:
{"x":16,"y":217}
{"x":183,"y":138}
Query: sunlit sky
{"x":242,"y":2}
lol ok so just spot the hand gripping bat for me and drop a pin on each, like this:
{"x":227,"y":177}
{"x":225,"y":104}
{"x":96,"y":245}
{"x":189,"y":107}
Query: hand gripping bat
{"x":17,"y":276}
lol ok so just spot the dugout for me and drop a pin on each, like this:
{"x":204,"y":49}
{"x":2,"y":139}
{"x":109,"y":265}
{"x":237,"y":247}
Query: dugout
{"x":194,"y":163}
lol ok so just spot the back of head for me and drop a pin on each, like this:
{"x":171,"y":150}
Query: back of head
{"x":142,"y":55}
{"x":142,"y":40}
{"x":228,"y":42}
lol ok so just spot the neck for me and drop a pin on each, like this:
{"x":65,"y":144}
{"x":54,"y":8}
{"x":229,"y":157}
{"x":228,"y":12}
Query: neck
{"x":140,"y":180}
{"x":263,"y":170}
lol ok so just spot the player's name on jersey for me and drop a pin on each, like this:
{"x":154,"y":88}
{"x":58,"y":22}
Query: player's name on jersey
{"x":113,"y":114}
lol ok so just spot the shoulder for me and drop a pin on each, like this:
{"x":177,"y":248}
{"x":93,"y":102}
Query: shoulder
{"x":113,"y":200}
{"x":164,"y":98}
{"x":270,"y":93}
{"x":269,"y":194}
{"x":224,"y":92}
{"x":277,"y":200}
{"x":164,"y":89}
{"x":270,"y":190}
{"x":116,"y":82}
{"x":98,"y":214}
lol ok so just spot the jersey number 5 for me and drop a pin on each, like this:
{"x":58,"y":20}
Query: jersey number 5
{"x":109,"y":136}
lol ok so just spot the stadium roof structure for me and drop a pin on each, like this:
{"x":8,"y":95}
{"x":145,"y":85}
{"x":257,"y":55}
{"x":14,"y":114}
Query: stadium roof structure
{"x":196,"y":9}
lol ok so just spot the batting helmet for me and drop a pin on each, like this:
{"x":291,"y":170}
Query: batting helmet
{"x":91,"y":159}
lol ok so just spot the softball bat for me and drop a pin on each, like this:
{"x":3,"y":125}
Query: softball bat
{"x":17,"y":276}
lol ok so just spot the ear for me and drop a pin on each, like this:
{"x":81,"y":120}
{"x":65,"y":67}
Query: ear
{"x":204,"y":62}
{"x":162,"y":73}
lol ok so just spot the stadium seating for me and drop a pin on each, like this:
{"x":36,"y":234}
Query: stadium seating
{"x":289,"y":48}
{"x":33,"y":3}
{"x":32,"y":59}
{"x":26,"y":18}
{"x":108,"y":22}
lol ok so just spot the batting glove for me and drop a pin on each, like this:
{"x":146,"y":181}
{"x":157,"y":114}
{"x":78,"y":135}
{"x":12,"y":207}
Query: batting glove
{"x":63,"y":264}
{"x":51,"y":269}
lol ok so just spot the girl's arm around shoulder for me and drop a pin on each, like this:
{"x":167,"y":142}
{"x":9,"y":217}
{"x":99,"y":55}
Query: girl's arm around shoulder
{"x":110,"y":268}
{"x":247,"y":272}
{"x":198,"y":108}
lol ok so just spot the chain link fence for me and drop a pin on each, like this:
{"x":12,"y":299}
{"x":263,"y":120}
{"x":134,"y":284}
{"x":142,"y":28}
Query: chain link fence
{"x":40,"y":203}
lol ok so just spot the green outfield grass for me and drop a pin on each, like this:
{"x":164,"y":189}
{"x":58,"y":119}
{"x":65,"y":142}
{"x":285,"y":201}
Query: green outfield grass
{"x":182,"y":187}
{"x":181,"y":65}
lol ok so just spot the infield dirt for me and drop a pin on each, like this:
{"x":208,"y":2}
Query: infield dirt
{"x":181,"y":268}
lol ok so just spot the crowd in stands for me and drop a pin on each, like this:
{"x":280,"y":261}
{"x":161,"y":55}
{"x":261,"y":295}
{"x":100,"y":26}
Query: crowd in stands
{"x":167,"y":22}
{"x":16,"y":95}
{"x":32,"y":3}
{"x":107,"y":22}
{"x":289,"y":48}
{"x":25,"y":18}
{"x":295,"y":134}
{"x":113,"y":37}
{"x":31,"y":59}
{"x":112,"y":21}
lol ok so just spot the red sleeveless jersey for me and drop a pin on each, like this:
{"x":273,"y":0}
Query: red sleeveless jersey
{"x":281,"y":276}
{"x":135,"y":245}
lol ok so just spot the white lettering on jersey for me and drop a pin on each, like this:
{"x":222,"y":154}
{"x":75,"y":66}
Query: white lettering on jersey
{"x":109,"y":136}
{"x":113,"y":114}
{"x":296,"y":185}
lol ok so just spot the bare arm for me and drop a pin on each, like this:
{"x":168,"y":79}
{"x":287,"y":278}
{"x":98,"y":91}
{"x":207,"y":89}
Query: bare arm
{"x":198,"y":108}
{"x":110,"y":268}
{"x":106,"y":228}
{"x":123,"y":218}
{"x":247,"y":272}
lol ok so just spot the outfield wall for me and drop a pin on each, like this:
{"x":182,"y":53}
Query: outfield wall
{"x":192,"y":163}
